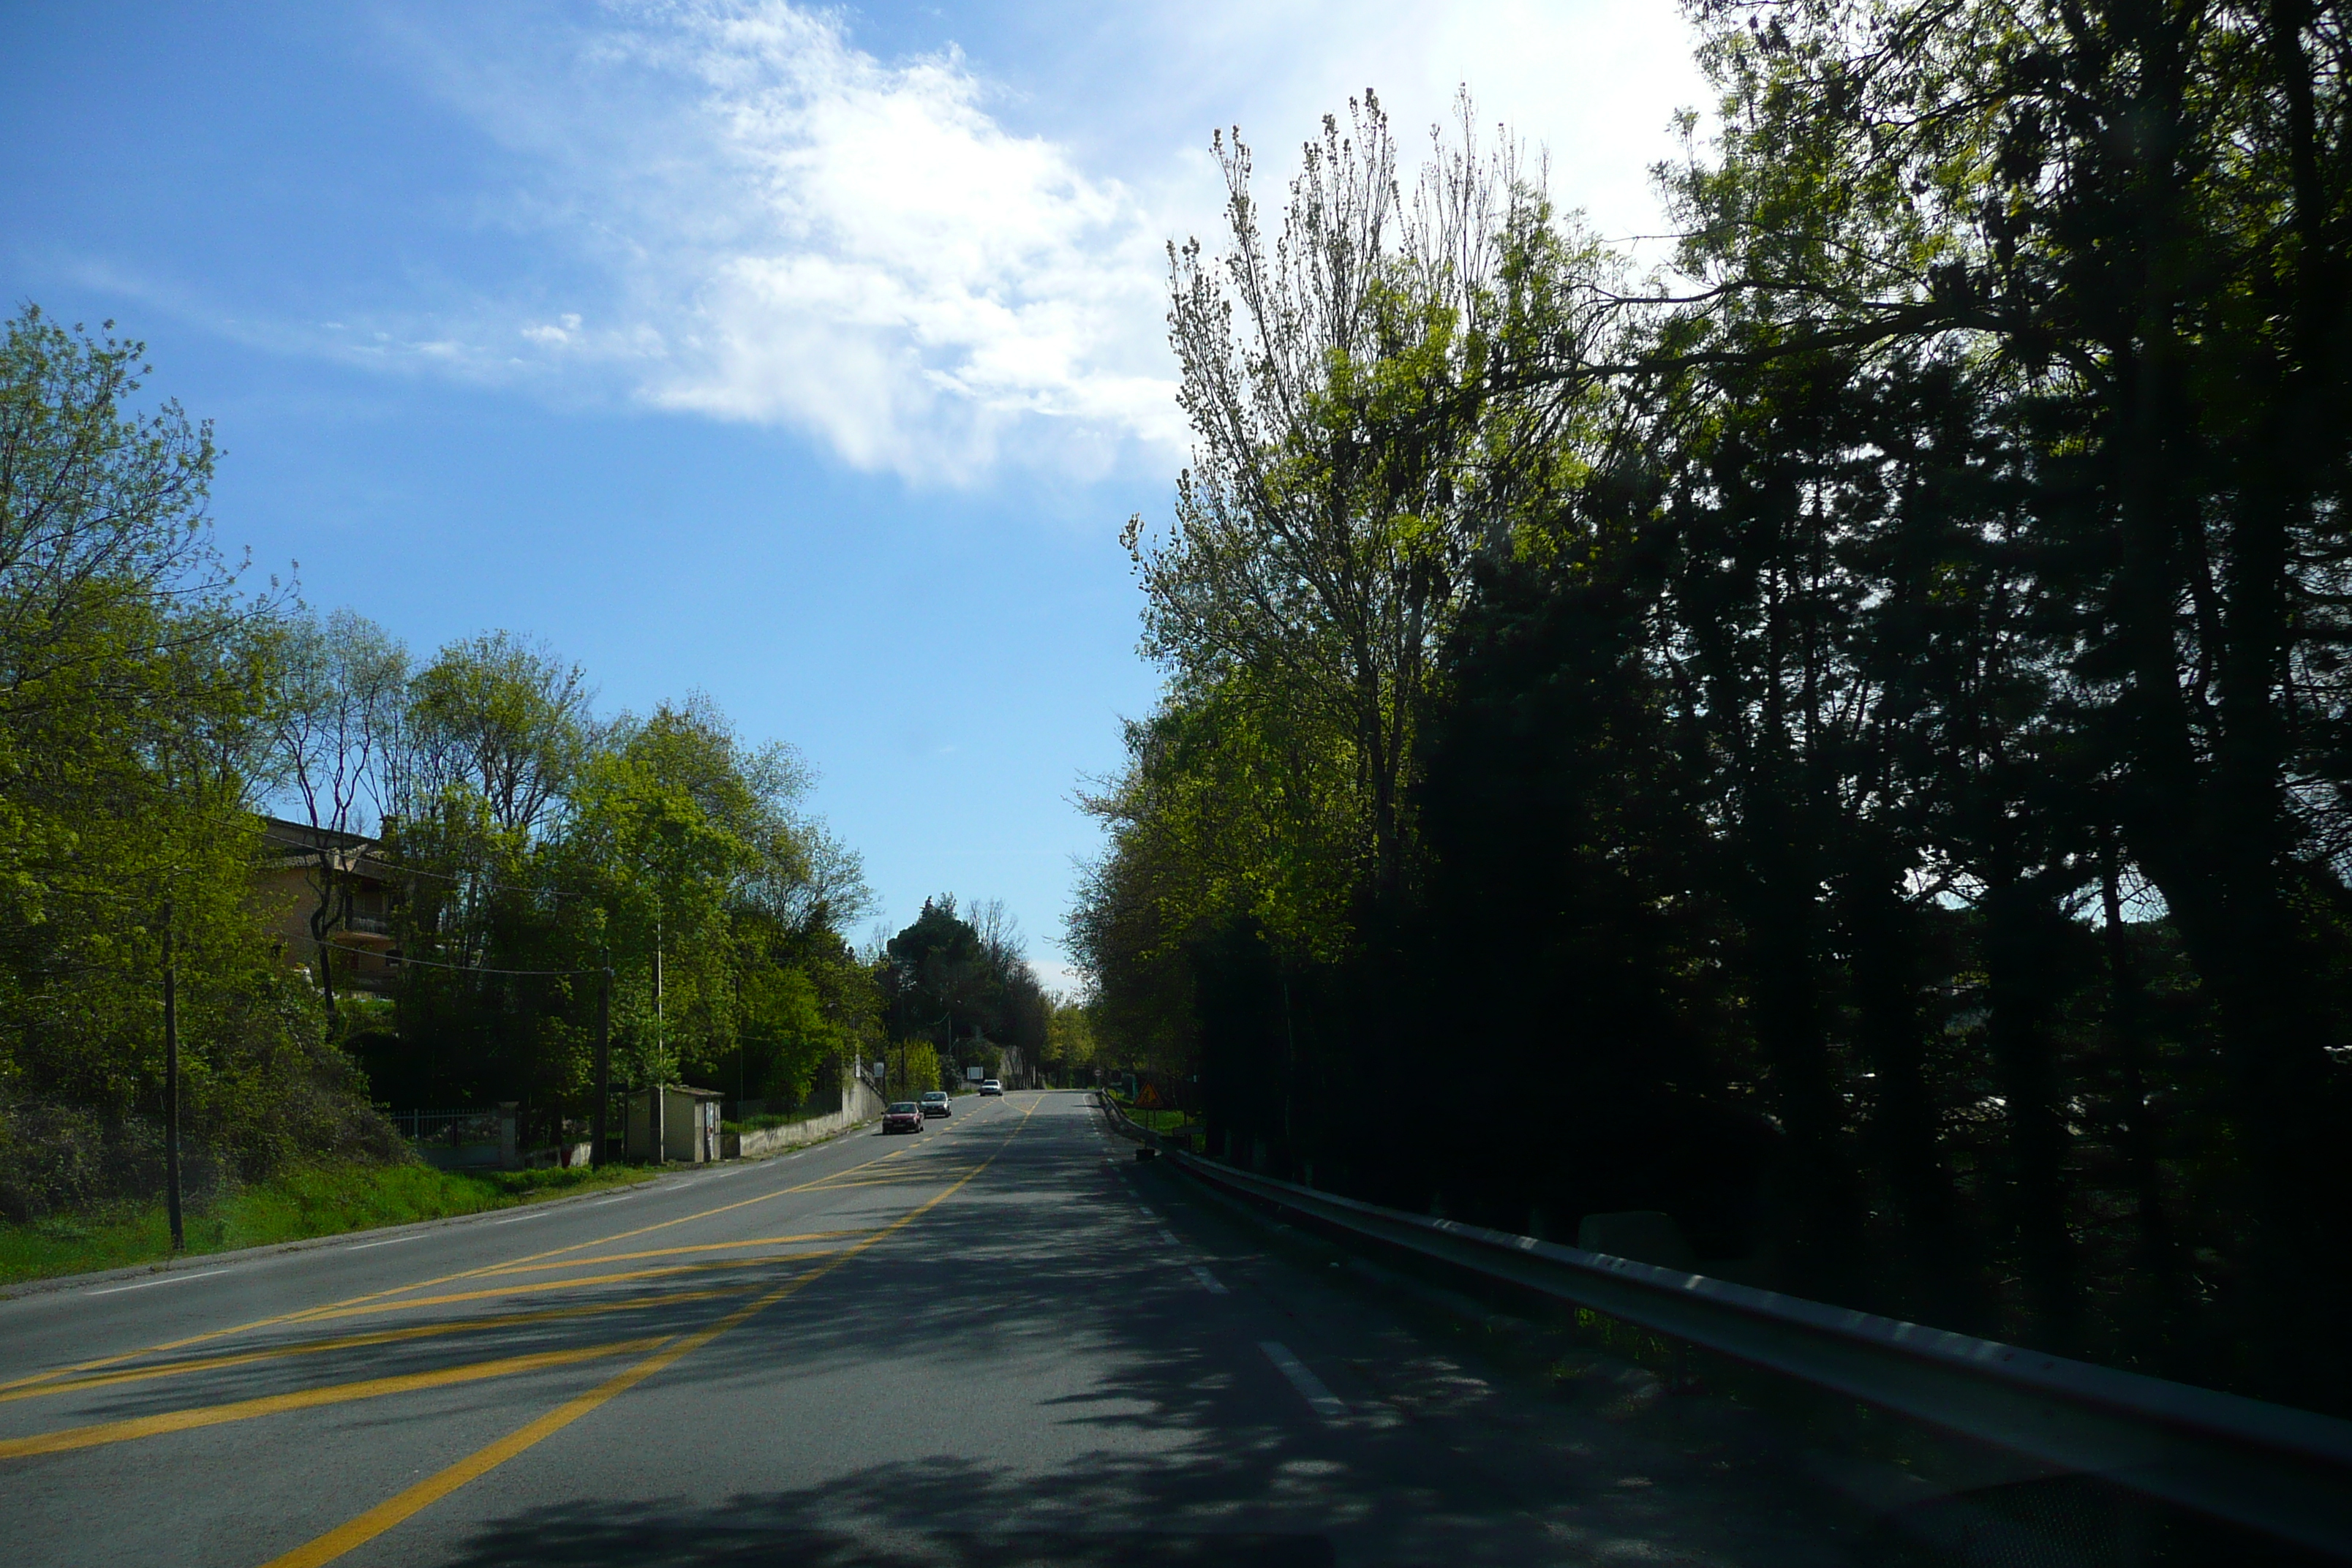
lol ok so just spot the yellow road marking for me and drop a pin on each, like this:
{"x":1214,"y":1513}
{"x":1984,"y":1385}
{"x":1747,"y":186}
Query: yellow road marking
{"x":309,"y":1398}
{"x":903,"y":1174}
{"x":375,"y":1307}
{"x":332,"y":1308}
{"x":576,"y":1246}
{"x":355,"y":1342}
{"x":959,"y":1164}
{"x":677,"y":1251}
{"x":406,"y":1505}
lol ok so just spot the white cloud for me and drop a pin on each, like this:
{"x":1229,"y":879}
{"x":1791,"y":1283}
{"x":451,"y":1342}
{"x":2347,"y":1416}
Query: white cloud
{"x":910,"y":277}
{"x":1593,"y":83}
{"x":798,"y":233}
{"x":769,"y":223}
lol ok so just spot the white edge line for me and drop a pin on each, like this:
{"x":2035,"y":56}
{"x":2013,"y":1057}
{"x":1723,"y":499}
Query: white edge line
{"x":148,"y":1284}
{"x":1323,"y":1402}
{"x":393,"y":1241}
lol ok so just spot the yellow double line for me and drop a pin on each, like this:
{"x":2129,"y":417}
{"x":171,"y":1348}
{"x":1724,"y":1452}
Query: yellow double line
{"x":358,"y":1341}
{"x":104,"y":1432}
{"x":529,"y":1268}
{"x":97,"y":1434}
{"x":344,"y":1308}
{"x":33,"y":1389}
{"x":432,"y":1488}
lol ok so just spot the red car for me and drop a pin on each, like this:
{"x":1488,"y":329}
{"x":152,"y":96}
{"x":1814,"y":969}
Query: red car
{"x":905,"y":1116}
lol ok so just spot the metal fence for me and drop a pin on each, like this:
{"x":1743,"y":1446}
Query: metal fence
{"x":456,"y":1127}
{"x":2270,"y":1466}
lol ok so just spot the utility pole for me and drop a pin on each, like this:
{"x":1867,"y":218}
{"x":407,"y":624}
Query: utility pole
{"x":1289,"y":1065}
{"x":655,"y":1106}
{"x":172,"y":1087}
{"x":604,"y":1067}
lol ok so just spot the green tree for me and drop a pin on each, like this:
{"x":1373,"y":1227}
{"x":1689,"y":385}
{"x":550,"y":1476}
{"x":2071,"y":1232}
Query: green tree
{"x":1874,"y":738}
{"x":2169,"y":304}
{"x":342,"y":693}
{"x":501,"y":716}
{"x":963,"y":983}
{"x":136,"y":686}
{"x":1342,"y":473}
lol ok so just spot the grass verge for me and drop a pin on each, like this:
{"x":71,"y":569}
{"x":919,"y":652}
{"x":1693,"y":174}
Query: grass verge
{"x":308,"y":1201}
{"x":1157,"y":1121}
{"x":773,"y":1119}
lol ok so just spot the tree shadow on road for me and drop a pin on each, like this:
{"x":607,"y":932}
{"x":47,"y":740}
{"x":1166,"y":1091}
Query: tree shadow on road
{"x":1119,"y":1415}
{"x":833,"y":1528}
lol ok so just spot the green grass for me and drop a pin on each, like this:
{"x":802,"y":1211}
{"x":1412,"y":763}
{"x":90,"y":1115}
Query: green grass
{"x":311,"y":1200}
{"x":1157,"y":1121}
{"x":770,"y":1119}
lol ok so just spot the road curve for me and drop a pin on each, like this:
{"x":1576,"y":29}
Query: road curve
{"x":994,"y":1344}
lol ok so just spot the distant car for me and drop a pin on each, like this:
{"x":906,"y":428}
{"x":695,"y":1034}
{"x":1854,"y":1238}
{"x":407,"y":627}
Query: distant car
{"x":936,"y":1103}
{"x":904,"y":1116}
{"x":990,"y":1086}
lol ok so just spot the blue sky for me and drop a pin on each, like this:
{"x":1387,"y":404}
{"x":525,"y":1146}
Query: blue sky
{"x":810,"y":358}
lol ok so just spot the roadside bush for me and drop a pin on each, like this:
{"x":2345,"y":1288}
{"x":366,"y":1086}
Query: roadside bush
{"x":261,"y":1091}
{"x":142,"y":683}
{"x":274,"y":1091}
{"x":68,"y":1159}
{"x":914,"y":1068}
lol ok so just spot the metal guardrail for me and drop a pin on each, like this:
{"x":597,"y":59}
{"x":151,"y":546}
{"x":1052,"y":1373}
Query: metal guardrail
{"x":2269,"y":1467}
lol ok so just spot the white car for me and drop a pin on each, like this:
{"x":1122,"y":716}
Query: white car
{"x":936,"y":1103}
{"x":990,"y":1086}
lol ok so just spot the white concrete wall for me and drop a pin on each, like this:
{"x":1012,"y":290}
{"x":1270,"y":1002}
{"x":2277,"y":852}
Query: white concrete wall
{"x":859,"y":1105}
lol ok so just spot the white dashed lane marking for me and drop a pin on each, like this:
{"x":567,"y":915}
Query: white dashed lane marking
{"x":1320,"y":1399}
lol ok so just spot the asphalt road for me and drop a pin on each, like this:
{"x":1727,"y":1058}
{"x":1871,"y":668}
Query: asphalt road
{"x":999,"y":1342}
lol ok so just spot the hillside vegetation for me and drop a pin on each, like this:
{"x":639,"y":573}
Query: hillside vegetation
{"x":470,"y":811}
{"x":1842,"y":739}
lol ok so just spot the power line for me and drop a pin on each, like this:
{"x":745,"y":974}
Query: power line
{"x":354,"y":859}
{"x":452,"y":877}
{"x":465,"y":968}
{"x":481,"y":880}
{"x":479,"y":969}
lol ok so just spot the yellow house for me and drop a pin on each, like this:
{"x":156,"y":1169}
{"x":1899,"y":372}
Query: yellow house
{"x":299,"y":861}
